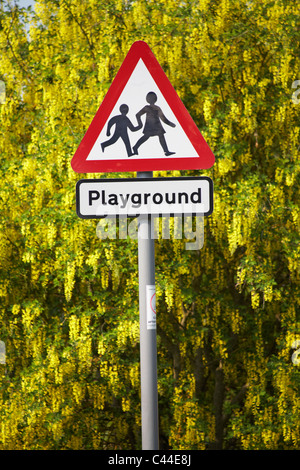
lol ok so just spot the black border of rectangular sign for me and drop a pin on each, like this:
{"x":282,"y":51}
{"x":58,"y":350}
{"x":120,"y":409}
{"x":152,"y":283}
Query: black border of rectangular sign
{"x":114,"y":180}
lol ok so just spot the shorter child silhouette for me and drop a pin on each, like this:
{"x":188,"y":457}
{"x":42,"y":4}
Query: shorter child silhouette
{"x":122,"y":124}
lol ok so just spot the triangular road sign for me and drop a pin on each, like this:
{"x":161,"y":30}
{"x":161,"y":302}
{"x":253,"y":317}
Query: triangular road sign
{"x":141,"y":125}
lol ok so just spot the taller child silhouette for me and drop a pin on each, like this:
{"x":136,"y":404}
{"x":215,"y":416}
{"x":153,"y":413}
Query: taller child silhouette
{"x":153,"y":126}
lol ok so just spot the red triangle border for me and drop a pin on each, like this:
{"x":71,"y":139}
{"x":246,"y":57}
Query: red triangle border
{"x":141,"y":50}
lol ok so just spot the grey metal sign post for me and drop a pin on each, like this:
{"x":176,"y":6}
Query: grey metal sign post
{"x":140,"y":88}
{"x":148,"y":196}
{"x":148,"y":346}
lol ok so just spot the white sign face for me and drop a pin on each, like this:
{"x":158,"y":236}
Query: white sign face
{"x":141,"y":124}
{"x":155,"y":137}
{"x":132,"y":197}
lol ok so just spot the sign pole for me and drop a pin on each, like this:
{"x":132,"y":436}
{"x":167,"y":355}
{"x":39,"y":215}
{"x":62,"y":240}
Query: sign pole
{"x":138,"y":85}
{"x":148,"y":345}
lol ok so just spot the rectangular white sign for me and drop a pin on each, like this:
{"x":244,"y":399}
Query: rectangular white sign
{"x":97,"y":198}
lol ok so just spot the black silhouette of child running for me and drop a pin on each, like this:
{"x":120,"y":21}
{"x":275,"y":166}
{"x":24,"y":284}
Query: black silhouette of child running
{"x":122,"y":123}
{"x":153,"y":126}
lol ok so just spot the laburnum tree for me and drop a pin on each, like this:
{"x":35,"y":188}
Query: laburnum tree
{"x":228,"y":314}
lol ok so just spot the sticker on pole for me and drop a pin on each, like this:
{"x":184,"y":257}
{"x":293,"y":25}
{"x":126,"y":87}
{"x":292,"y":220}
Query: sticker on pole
{"x":151,"y":307}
